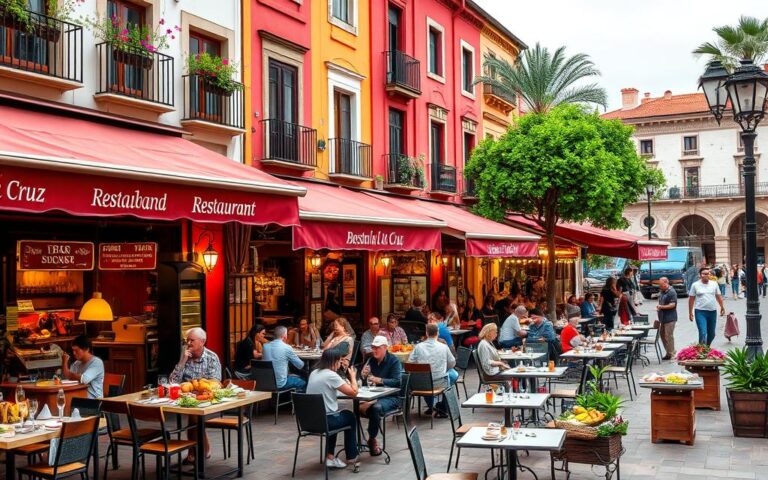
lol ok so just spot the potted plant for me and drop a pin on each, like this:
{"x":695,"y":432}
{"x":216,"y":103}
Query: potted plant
{"x":747,"y":393}
{"x":14,"y":13}
{"x":216,"y":74}
{"x":378,"y":182}
{"x":132,"y":44}
{"x":705,"y":362}
{"x":674,"y":192}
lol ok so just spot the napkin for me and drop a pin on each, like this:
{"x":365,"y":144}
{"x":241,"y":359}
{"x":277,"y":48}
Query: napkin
{"x":75,"y":415}
{"x":45,"y":413}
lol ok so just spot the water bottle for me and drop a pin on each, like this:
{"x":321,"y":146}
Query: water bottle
{"x":61,"y":402}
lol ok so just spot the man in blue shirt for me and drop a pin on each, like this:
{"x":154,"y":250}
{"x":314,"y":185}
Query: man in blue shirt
{"x":385,"y":369}
{"x":541,"y":329}
{"x":443,"y":332}
{"x":281,"y":355}
{"x":588,"y":306}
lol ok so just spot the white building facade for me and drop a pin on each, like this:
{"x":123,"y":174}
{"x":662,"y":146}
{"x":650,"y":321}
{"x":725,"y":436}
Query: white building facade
{"x":702,"y":203}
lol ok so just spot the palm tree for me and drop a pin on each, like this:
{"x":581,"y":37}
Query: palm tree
{"x":746,"y":41}
{"x":543,"y":79}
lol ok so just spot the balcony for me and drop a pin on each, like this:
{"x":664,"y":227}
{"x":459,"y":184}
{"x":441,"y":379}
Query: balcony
{"x":709,"y":191}
{"x":404,"y":173}
{"x":135,"y":77}
{"x":498,"y":99}
{"x":289,"y":145}
{"x":45,"y":51}
{"x":468,"y":192}
{"x":691,"y":153}
{"x":350,"y":160}
{"x":211,"y":110}
{"x":403,"y":74}
{"x":443,"y":179}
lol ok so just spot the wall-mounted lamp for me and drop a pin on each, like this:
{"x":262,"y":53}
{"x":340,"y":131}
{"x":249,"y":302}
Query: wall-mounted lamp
{"x":210,"y":255}
{"x":445,"y":262}
{"x":385,"y":260}
{"x":315,"y":261}
{"x":458,"y":263}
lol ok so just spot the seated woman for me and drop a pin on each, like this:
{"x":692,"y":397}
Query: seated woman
{"x":249,"y":348}
{"x":341,"y":340}
{"x":471,"y":320}
{"x":325,"y":381}
{"x":588,"y":307}
{"x":488,"y":303}
{"x":572,"y":307}
{"x":452,"y":317}
{"x":304,"y":336}
{"x":487,"y":354}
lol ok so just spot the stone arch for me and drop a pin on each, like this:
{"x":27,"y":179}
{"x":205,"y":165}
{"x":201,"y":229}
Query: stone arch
{"x":737,"y":237}
{"x":736,"y":214}
{"x":694,"y":230}
{"x":677,"y":216}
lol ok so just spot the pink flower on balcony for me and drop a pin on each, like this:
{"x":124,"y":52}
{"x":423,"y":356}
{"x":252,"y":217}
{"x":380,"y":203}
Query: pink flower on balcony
{"x":168,"y":32}
{"x":124,"y":32}
{"x":151,"y":48}
{"x":224,"y":61}
{"x":162,"y":21}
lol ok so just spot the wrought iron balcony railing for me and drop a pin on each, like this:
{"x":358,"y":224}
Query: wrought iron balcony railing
{"x":497,"y":92}
{"x":206,"y":102}
{"x":136,"y":73}
{"x":403,"y":71}
{"x":290,"y":142}
{"x":350,"y":157}
{"x":404,"y":171}
{"x":709,"y":191}
{"x":41,"y":44}
{"x":443,"y":178}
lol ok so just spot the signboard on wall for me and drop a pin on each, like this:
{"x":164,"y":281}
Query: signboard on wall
{"x":50,"y":255}
{"x":128,"y":256}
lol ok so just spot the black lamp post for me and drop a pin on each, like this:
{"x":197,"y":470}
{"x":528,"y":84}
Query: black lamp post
{"x":650,"y":191}
{"x":746,"y":90}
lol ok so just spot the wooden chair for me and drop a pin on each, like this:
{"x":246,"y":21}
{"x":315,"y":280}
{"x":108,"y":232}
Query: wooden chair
{"x":264,"y":375}
{"x":73,"y":452}
{"x":114,"y":384}
{"x":118,"y":436}
{"x":164,"y":448}
{"x":230,"y":423}
{"x":422,"y":385}
{"x":417,"y":456}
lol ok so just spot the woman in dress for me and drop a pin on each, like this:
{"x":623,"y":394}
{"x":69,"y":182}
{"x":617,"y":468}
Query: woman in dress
{"x":609,"y":302}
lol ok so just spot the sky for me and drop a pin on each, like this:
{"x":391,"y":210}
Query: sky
{"x":643,"y":44}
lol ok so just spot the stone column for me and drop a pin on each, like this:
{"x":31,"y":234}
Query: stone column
{"x":723,"y":250}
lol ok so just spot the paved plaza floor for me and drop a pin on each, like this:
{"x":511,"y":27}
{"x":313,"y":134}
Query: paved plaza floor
{"x":715,"y":455}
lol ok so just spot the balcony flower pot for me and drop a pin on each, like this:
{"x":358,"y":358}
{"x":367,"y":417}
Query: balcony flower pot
{"x":378,"y":182}
{"x":139,"y":60}
{"x":674,"y":192}
{"x":210,"y":87}
{"x":47,"y":31}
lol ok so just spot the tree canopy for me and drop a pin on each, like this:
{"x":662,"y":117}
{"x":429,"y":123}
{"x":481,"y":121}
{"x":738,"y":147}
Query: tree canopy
{"x":747,"y":40}
{"x":565,"y":165}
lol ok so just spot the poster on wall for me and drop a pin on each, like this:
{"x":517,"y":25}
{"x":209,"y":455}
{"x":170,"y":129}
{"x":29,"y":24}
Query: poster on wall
{"x":453,"y":287}
{"x":385,"y":298}
{"x":349,"y":278}
{"x":317,"y":286}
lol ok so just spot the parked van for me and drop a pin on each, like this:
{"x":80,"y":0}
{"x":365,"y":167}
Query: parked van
{"x":681,"y":268}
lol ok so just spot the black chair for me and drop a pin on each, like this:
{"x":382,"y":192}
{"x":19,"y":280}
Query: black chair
{"x":118,"y":436}
{"x":653,"y":342}
{"x":421,"y":385}
{"x":463,"y":354}
{"x":73,"y":453}
{"x":87,"y":407}
{"x":488,"y":319}
{"x":356,"y":359}
{"x":231,"y":422}
{"x":311,"y":421}
{"x":483,"y":379}
{"x":401,"y":412}
{"x":417,"y":456}
{"x":264,"y":374}
{"x":457,"y":426}
{"x":164,"y":448}
{"x":625,"y":371}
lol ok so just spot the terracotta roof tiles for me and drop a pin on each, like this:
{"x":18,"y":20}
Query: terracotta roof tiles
{"x":656,"y":107}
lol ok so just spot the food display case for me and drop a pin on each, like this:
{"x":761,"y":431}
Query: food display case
{"x":181,"y":306}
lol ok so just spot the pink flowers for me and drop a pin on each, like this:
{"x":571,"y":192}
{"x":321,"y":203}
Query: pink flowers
{"x":224,"y":61}
{"x":162,"y":21}
{"x":699,"y":352}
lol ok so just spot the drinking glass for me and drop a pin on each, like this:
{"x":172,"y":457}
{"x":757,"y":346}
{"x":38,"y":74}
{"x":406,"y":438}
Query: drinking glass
{"x":32,"y":411}
{"x":162,"y":384}
{"x":515,"y":426}
{"x":61,"y":402}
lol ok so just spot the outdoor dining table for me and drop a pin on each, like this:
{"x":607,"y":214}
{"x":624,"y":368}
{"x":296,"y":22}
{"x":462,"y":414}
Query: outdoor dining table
{"x":673,"y":412}
{"x":508,"y":402}
{"x":620,"y":338}
{"x":311,"y":355}
{"x":533,"y":374}
{"x":201,"y":414}
{"x":587,"y":356}
{"x":40,"y":435}
{"x":520,"y":356}
{"x":633,"y":333}
{"x":641,"y":326}
{"x":368,"y":394}
{"x":459,"y":331}
{"x":541,"y":439}
{"x":611,"y":346}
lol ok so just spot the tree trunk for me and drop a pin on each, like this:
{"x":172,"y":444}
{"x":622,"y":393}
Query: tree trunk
{"x":551,"y":264}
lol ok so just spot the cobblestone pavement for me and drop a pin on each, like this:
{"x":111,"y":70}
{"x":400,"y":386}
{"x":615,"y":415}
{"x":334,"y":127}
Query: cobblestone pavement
{"x":715,"y":455}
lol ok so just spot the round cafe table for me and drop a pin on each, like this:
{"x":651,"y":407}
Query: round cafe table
{"x":402,"y":356}
{"x":45,"y":392}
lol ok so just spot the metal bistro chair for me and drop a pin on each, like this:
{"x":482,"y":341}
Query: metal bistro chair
{"x":264,"y":374}
{"x":73,"y":452}
{"x":311,"y":420}
{"x":487,"y":319}
{"x":401,"y":412}
{"x":422,"y":385}
{"x":229,"y":423}
{"x":625,"y":371}
{"x":463,"y":354}
{"x":654,"y":342}
{"x":457,"y":426}
{"x":420,"y":465}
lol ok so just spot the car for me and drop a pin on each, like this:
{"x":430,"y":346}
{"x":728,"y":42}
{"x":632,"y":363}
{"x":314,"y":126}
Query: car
{"x":593,"y":285}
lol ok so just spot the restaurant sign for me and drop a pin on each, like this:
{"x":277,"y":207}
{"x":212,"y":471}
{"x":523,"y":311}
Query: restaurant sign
{"x":353,"y":236}
{"x":55,"y":255}
{"x":477,"y":247}
{"x":651,"y":252}
{"x":128,"y":256}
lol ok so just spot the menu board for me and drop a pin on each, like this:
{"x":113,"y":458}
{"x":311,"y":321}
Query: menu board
{"x":55,"y":255}
{"x":128,"y":256}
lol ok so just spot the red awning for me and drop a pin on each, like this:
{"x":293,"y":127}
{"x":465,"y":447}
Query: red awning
{"x":50,"y":162}
{"x":614,"y":243}
{"x":337,"y":218}
{"x":483,"y":237}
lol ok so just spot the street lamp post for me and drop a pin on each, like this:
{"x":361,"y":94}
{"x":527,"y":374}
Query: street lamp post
{"x":650,"y":191}
{"x":746,"y":90}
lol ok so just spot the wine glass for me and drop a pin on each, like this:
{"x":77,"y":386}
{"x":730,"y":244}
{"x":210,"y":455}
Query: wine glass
{"x":32,"y":411}
{"x":61,"y":402}
{"x":515,"y":426}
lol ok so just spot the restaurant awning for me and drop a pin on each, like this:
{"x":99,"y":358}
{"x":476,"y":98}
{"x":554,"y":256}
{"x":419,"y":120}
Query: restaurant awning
{"x":483,"y":237}
{"x":51,"y":162}
{"x":614,"y":243}
{"x":337,"y":218}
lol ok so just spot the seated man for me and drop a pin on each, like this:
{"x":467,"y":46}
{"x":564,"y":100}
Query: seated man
{"x":366,"y":341}
{"x":87,"y":368}
{"x":570,"y":336}
{"x":382,"y":368}
{"x":416,"y":312}
{"x":281,"y":355}
{"x":441,"y":361}
{"x":541,"y":330}
{"x":511,"y":334}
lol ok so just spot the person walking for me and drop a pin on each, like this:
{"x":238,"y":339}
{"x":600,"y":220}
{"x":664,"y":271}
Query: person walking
{"x":703,"y":299}
{"x":722,"y":278}
{"x":609,"y":304}
{"x":735,"y":281}
{"x":667,"y":309}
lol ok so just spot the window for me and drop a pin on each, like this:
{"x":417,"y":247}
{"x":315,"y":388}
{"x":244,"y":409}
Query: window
{"x":199,"y":44}
{"x":125,"y":77}
{"x":646,"y":147}
{"x":691,"y":181}
{"x":203,"y":104}
{"x":342,"y":10}
{"x":435,"y":48}
{"x":467,"y":68}
{"x":18,"y":47}
{"x":436,"y":143}
{"x":691,"y":145}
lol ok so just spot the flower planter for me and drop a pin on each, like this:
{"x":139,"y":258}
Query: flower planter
{"x":602,"y":451}
{"x":50,"y":33}
{"x":208,"y":87}
{"x":749,"y":413}
{"x":709,"y":371}
{"x":133,"y":59}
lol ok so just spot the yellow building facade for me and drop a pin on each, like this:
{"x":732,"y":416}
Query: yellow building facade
{"x":341,"y":91}
{"x":498,"y":109}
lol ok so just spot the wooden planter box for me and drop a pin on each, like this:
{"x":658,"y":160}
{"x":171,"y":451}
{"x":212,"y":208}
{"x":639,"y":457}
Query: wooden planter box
{"x":600,"y":451}
{"x":710,"y":375}
{"x":749,"y":413}
{"x":673,"y":416}
{"x":50,"y":33}
{"x":133,"y":59}
{"x":215,"y":90}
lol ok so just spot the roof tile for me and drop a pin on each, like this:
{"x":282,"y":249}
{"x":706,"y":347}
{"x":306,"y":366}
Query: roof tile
{"x":657,"y":107}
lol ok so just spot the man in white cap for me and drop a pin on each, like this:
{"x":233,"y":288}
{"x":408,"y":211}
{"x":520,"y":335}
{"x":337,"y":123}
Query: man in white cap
{"x":385,"y":369}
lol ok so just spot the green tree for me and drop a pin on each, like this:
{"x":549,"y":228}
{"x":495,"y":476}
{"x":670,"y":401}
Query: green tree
{"x":565,"y":165}
{"x":543,"y":79}
{"x":747,"y":40}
